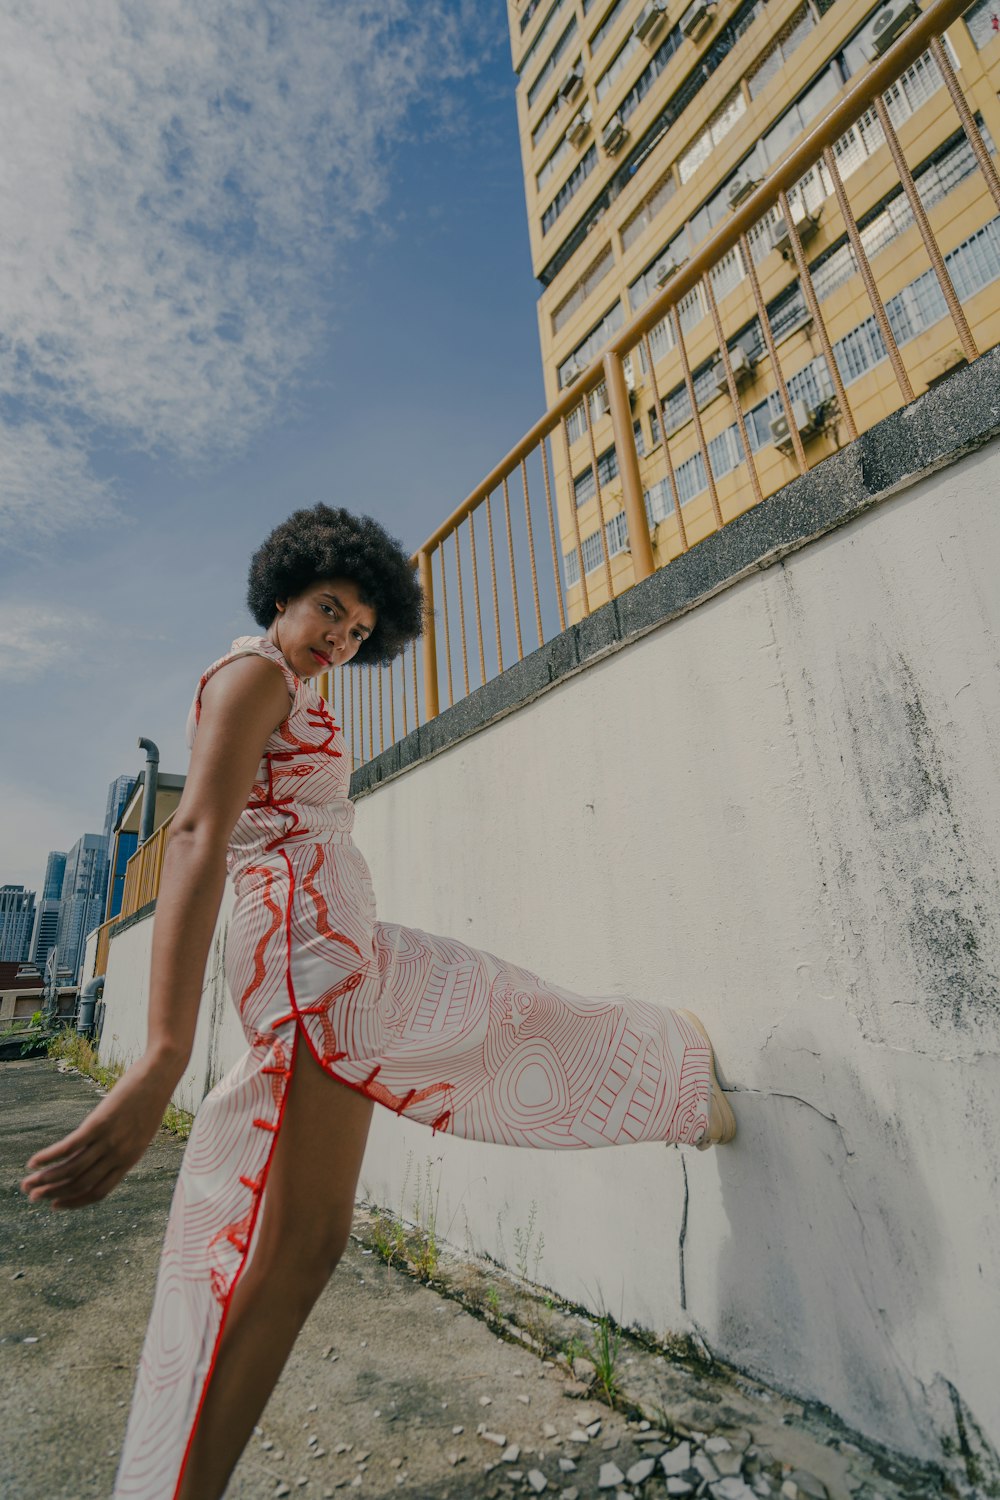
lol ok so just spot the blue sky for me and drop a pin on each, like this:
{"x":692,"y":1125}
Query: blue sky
{"x":252,"y":256}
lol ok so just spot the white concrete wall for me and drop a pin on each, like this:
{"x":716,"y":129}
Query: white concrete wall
{"x":782,"y":811}
{"x":219,"y":1037}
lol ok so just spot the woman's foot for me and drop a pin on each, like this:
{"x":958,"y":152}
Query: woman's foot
{"x":721,"y":1120}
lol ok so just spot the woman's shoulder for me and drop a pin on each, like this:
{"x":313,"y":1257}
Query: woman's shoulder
{"x":244,"y":645}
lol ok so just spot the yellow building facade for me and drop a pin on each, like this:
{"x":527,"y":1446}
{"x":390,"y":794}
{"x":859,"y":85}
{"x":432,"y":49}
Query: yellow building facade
{"x":642,"y":126}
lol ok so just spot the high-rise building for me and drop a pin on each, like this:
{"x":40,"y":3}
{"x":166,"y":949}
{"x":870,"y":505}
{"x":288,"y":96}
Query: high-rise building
{"x":643,"y":123}
{"x":47,"y":914}
{"x":118,"y":850}
{"x":17,"y":919}
{"x":83,"y":896}
{"x":55,"y":871}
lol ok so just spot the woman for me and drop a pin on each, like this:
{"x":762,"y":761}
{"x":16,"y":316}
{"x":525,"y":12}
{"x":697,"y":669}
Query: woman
{"x":340,"y":1010}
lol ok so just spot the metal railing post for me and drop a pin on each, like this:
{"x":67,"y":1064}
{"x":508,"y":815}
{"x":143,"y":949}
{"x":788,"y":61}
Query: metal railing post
{"x":431,"y":708}
{"x":628,"y":467}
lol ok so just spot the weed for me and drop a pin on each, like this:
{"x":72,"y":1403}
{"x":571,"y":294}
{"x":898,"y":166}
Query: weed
{"x":523,"y":1250}
{"x":607,"y":1347}
{"x":178,"y":1121}
{"x":492,"y":1300}
{"x":574,"y":1349}
{"x":424,"y":1254}
{"x":81,"y":1054}
{"x":389,"y":1238}
{"x":68,"y":1046}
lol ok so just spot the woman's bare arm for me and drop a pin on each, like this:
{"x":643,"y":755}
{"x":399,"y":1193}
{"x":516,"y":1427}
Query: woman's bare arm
{"x":241,"y":706}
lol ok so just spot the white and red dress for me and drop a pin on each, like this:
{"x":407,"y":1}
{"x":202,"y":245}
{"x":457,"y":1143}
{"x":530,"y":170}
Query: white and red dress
{"x":425,"y":1026}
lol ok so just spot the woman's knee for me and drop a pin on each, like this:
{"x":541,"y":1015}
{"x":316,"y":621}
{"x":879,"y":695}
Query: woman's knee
{"x":305,"y":1254}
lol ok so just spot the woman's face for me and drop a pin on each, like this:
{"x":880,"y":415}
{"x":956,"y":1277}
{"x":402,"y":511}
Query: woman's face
{"x":322,"y":627}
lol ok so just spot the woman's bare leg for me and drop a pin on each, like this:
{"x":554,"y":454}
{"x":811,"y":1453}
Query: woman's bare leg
{"x":305,"y":1222}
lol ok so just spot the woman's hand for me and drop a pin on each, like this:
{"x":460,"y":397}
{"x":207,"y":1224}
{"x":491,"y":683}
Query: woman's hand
{"x":85,"y":1165}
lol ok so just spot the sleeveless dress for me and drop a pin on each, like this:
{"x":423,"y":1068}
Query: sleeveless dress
{"x":425,"y":1026}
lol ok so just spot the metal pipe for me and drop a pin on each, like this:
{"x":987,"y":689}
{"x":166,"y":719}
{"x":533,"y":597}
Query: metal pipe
{"x":149,"y":789}
{"x":628,"y":467}
{"x":87,"y":1005}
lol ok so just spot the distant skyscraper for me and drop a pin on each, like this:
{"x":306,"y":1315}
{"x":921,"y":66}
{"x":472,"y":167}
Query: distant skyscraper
{"x":47,"y":912}
{"x":55,"y":870}
{"x":119,"y":793}
{"x":83,"y":896}
{"x":17,"y":918}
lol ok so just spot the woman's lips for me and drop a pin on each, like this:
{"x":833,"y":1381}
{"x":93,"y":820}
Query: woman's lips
{"x":323,"y":660}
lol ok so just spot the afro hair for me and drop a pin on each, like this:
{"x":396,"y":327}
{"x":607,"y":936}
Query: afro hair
{"x":328,"y":542}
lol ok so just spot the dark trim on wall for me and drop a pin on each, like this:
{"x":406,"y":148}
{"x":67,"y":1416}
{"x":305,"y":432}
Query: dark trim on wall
{"x":127,"y":922}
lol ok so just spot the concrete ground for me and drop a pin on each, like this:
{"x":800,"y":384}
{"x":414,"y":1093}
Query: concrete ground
{"x":394,"y":1388}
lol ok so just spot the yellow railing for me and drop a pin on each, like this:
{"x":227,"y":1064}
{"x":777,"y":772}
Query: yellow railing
{"x":486,"y":558}
{"x":103,"y":945}
{"x":142,"y":873}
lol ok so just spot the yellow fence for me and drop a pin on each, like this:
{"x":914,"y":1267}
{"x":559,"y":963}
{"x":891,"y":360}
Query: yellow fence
{"x":502,"y":575}
{"x":142,"y":885}
{"x":142,"y":873}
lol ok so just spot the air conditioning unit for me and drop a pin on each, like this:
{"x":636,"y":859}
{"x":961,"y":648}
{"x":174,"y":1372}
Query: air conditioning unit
{"x":697,"y":19}
{"x":578,"y":128}
{"x":650,"y":22}
{"x":806,"y":420}
{"x":665,"y":268}
{"x":602,"y":403}
{"x":887,"y":25}
{"x":742,"y":366}
{"x":571,"y":84}
{"x":806,"y":224}
{"x":741,"y":186}
{"x":614,"y":137}
{"x":572,"y":370}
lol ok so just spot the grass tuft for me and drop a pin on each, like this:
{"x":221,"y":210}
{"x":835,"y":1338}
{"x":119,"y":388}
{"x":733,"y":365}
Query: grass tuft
{"x":69,"y":1047}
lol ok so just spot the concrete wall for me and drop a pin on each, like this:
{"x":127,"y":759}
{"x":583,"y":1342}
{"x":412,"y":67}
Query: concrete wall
{"x":781,"y":810}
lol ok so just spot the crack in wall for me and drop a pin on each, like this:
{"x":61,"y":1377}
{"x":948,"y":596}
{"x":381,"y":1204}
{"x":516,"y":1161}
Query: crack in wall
{"x":777,"y":1094}
{"x":683,"y":1235}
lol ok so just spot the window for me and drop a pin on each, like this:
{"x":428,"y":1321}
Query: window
{"x":551,"y":62}
{"x":612,"y":17}
{"x":647,"y":285}
{"x":788,"y":39}
{"x":648,"y":210}
{"x":592,"y":344}
{"x":718,"y":127}
{"x":541,"y":35}
{"x":590,"y":279}
{"x":727,"y":273}
{"x":616,"y":532}
{"x":529,"y":11}
{"x":584,"y":488}
{"x":553,"y":163}
{"x":574,"y":182}
{"x":651,"y":73}
{"x":546,"y":120}
{"x":983,"y":22}
{"x":576,"y":425}
{"x":787,"y":312}
{"x":614,"y":71}
{"x":788,"y":129}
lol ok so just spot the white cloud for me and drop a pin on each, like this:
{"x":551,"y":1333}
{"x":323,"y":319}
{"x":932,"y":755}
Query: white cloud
{"x":178,"y":179}
{"x":35,"y":639}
